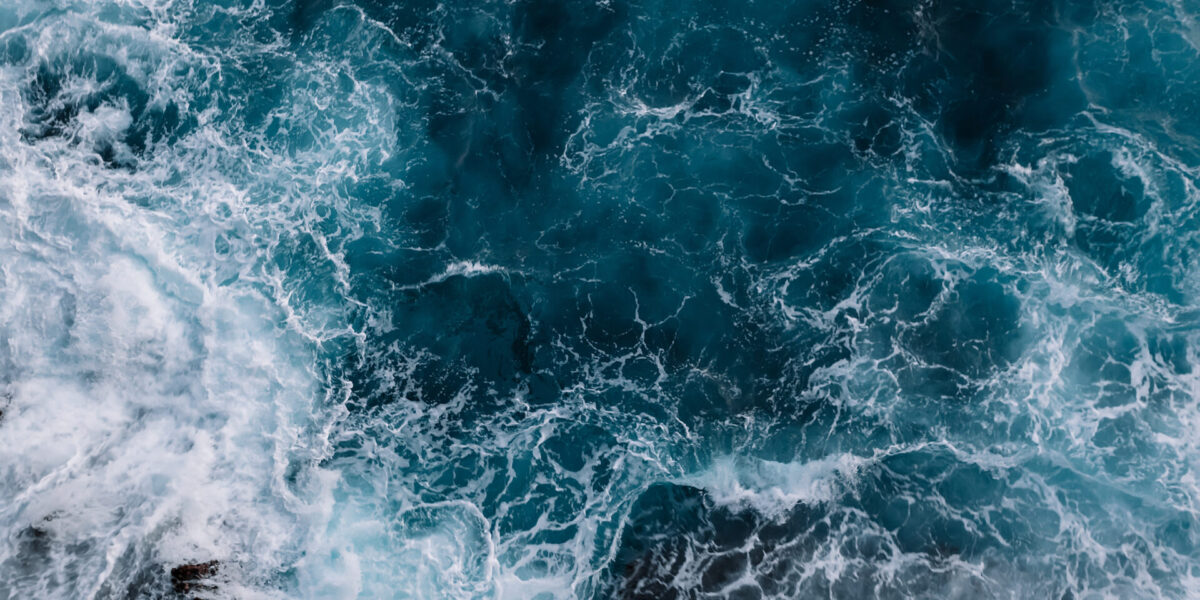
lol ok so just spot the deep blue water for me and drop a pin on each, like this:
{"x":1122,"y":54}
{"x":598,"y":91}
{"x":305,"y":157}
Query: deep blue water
{"x":657,"y":299}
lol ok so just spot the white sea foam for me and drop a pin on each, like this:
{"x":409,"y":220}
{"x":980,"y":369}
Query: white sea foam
{"x":772,"y":488}
{"x":152,"y":410}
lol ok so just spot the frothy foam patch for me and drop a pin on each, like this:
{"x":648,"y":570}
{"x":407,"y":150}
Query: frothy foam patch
{"x":150,"y":427}
{"x":447,"y":551}
{"x":151,"y":409}
{"x":772,"y":488}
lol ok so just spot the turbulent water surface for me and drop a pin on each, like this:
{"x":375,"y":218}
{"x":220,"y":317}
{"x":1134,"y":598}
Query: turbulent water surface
{"x":664,"y":299}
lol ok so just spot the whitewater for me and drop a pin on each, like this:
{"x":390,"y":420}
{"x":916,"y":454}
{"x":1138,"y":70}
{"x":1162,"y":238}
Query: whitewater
{"x":639,"y":299}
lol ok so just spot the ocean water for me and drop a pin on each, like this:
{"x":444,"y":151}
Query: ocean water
{"x":549,"y":299}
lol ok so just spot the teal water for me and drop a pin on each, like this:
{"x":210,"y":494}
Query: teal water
{"x":600,"y":299}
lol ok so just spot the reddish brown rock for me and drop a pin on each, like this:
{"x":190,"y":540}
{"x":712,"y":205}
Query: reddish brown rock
{"x":193,"y":577}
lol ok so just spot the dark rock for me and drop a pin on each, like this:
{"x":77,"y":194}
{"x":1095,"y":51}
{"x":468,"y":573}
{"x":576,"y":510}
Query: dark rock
{"x":193,"y":577}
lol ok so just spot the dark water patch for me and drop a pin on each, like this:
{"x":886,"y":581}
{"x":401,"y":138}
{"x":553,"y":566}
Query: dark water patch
{"x":906,"y":289}
{"x":1110,"y":206}
{"x":1134,"y":63}
{"x":577,"y":447}
{"x":836,"y":274}
{"x":1105,"y":354}
{"x":888,"y":30}
{"x":664,"y":522}
{"x":373,"y":259}
{"x":474,"y":323}
{"x":1170,"y":350}
{"x":554,"y":39}
{"x":974,"y":331}
{"x":415,"y":22}
{"x":704,"y":65}
{"x":949,"y":526}
{"x":874,"y":127}
{"x":14,"y":50}
{"x":58,"y":107}
{"x":790,"y":232}
{"x":981,"y":72}
{"x":428,"y":220}
{"x":1098,"y":189}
